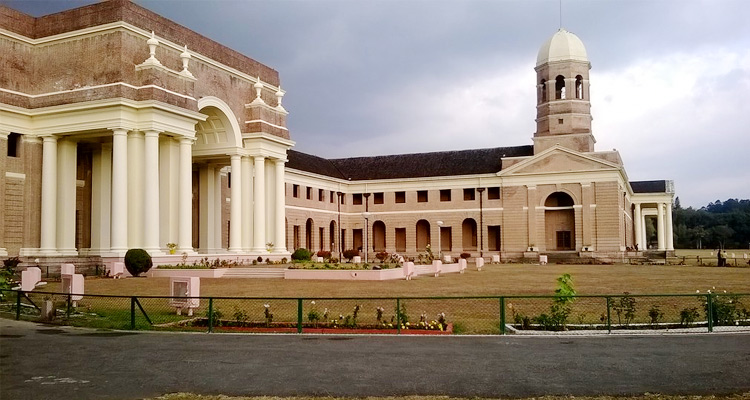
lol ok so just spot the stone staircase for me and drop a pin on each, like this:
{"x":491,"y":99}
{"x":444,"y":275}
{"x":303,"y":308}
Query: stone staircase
{"x":254,"y":273}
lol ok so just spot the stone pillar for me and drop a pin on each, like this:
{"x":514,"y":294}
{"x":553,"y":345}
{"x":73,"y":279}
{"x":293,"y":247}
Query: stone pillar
{"x":280,"y":210}
{"x":66,"y":197}
{"x":217,"y":246}
{"x":669,"y":233}
{"x":207,"y":174}
{"x":150,"y":193}
{"x":570,"y":88}
{"x":168,"y":186}
{"x":586,"y":214}
{"x":136,"y":148}
{"x":660,"y":226}
{"x":119,"y":215}
{"x":638,"y":226}
{"x":101,"y":199}
{"x":185,"y":197}
{"x":259,"y":206}
{"x":235,"y":235}
{"x":531,"y":204}
{"x":247,"y":203}
{"x":48,"y":242}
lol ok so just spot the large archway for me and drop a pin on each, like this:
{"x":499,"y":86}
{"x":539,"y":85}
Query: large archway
{"x":423,"y":234}
{"x":559,"y":222}
{"x":469,"y":234}
{"x":309,"y":225}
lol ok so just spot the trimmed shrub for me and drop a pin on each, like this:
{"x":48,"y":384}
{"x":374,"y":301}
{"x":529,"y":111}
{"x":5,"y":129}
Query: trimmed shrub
{"x":381,"y":255}
{"x":138,"y":261}
{"x":465,"y":255}
{"x":325,"y":254}
{"x":301,"y":254}
{"x":349,"y":254}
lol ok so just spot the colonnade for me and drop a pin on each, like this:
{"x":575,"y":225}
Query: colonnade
{"x":136,"y":182}
{"x":664,"y":233}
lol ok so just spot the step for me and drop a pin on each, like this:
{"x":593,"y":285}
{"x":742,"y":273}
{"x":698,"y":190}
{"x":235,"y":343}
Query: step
{"x":254,"y":273}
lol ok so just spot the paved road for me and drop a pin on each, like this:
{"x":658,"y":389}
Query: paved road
{"x":46,"y":362}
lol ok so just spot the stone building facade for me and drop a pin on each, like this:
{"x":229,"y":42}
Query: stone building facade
{"x":121,"y":129}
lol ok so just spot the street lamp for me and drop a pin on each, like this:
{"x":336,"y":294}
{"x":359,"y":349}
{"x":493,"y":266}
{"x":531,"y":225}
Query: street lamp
{"x":367,"y":215}
{"x":440,"y":237}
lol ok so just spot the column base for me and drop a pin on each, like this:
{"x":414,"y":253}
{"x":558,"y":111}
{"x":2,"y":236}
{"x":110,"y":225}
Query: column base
{"x":155,"y":252}
{"x":189,"y":251}
{"x":68,"y":252}
{"x":32,"y":252}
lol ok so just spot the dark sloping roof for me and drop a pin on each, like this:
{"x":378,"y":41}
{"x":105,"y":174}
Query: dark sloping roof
{"x":649,"y":186}
{"x":418,"y":165}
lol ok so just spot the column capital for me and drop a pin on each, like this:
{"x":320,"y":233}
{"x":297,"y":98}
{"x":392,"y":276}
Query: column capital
{"x":151,"y":133}
{"x":186,"y":140}
{"x":119,"y":131}
{"x":50,"y":138}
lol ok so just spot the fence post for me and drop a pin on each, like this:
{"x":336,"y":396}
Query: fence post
{"x":710,"y":311}
{"x":210,"y":314}
{"x":299,"y":315}
{"x":69,"y":305}
{"x":502,"y":315}
{"x":609,"y":320}
{"x":18,"y":305}
{"x":132,"y":312}
{"x":398,"y":316}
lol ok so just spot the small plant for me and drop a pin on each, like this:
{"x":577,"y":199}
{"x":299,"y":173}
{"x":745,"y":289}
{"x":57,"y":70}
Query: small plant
{"x":259,"y":259}
{"x":216,"y":315}
{"x":7,"y":275}
{"x":284,"y":260}
{"x":381,"y":255}
{"x":655,"y":315}
{"x":138,"y":261}
{"x":401,"y":315}
{"x":624,"y":306}
{"x":325,"y":254}
{"x":688,"y":316}
{"x":268,"y":314}
{"x":240,"y":316}
{"x":349,"y":254}
{"x":301,"y":254}
{"x":379,"y":314}
{"x":172,"y":247}
{"x":269,"y":246}
{"x":313,"y":315}
{"x":465,"y":255}
{"x":725,"y":308}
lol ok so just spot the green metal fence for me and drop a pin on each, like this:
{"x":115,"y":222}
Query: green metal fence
{"x":489,"y":315}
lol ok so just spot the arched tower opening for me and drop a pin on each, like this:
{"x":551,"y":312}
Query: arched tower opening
{"x":559,"y":222}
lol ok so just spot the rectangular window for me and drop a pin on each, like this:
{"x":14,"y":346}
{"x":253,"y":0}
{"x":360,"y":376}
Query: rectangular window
{"x":343,"y":198}
{"x":296,"y":236}
{"x":563,"y":240}
{"x":357,"y":199}
{"x":333,"y":194}
{"x":400,"y":239}
{"x":469,"y":194}
{"x":343,"y":240}
{"x":379,"y":198}
{"x":400,"y":197}
{"x":493,"y":238}
{"x":321,"y":195}
{"x":322,"y":236}
{"x":493,"y":193}
{"x":445,"y":195}
{"x":14,"y":144}
{"x":295,"y":192}
{"x":309,"y":193}
{"x":422,"y":196}
{"x":229,"y":180}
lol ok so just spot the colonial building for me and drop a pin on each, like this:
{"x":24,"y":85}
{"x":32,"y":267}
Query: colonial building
{"x":121,"y":129}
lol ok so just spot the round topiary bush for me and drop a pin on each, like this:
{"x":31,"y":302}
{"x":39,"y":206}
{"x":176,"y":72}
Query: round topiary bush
{"x":138,"y":261}
{"x":301,"y":254}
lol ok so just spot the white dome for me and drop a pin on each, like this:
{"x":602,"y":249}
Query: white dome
{"x":563,"y":45}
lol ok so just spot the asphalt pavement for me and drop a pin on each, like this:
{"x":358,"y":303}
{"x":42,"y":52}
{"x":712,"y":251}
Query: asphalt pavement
{"x":50,"y":362}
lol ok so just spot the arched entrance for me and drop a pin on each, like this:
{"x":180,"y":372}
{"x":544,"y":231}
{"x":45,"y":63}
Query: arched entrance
{"x":332,"y":237}
{"x":559,"y":222}
{"x":378,"y":236}
{"x":309,"y":234}
{"x":423,"y":234}
{"x":469,"y":234}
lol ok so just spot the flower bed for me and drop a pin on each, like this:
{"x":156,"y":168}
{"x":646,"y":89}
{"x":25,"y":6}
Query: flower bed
{"x":290,"y":327}
{"x":331,"y":274}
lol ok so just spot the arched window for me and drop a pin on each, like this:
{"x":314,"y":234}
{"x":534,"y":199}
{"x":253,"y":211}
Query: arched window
{"x":579,"y":87}
{"x":560,"y":87}
{"x":544,"y":91}
{"x":469,"y":234}
{"x":378,"y":236}
{"x":423,"y":235}
{"x":559,"y":199}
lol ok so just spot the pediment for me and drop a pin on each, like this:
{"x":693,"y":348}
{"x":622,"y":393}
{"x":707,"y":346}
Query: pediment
{"x":559,"y":160}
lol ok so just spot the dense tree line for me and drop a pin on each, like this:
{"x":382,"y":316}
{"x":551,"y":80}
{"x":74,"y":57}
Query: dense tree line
{"x":717,"y":225}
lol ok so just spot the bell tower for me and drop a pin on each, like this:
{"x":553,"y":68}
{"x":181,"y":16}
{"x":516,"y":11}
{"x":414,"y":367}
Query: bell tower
{"x":563,"y":110}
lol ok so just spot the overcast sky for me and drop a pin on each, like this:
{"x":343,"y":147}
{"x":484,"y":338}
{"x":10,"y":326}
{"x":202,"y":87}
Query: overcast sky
{"x":670,"y":79}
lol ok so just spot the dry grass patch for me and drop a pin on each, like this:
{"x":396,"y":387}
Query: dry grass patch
{"x":189,"y":396}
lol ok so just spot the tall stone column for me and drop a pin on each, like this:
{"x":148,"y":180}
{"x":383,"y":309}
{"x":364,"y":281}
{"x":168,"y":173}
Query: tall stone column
{"x":101,"y":199}
{"x":185,"y":197}
{"x":259,"y":206}
{"x":119,"y":216}
{"x":668,"y":230}
{"x":280,"y":210}
{"x":638,"y":226}
{"x":660,"y":226}
{"x":235,"y":226}
{"x":150,"y":194}
{"x":48,"y":242}
{"x":136,"y":149}
{"x":247,"y":203}
{"x":217,"y":245}
{"x":531,"y":204}
{"x":207,"y":174}
{"x":66,"y":197}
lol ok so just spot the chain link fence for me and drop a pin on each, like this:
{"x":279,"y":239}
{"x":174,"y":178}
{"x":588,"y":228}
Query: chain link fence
{"x":525,"y":315}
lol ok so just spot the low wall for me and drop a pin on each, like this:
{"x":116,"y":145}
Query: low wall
{"x":186,"y":273}
{"x":348,"y":275}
